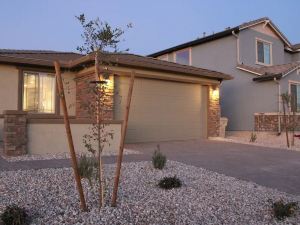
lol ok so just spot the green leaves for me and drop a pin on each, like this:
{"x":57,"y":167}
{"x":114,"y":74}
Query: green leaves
{"x":99,"y":36}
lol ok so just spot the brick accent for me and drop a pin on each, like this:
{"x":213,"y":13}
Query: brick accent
{"x":84,"y":96}
{"x":213,"y":112}
{"x":269,"y":121}
{"x":15,"y":133}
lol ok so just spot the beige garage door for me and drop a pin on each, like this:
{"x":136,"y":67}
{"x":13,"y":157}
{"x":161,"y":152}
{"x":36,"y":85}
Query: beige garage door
{"x":162,"y":110}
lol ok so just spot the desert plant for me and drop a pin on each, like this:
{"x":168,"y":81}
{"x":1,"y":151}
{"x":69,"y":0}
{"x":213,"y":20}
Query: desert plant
{"x":87,"y":167}
{"x":158,"y":159}
{"x":253,"y":137}
{"x":169,"y":183}
{"x":282,"y":210}
{"x":14,"y":215}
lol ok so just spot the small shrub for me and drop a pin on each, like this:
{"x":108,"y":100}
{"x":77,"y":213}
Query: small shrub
{"x":158,"y":159}
{"x":86,"y":167}
{"x":253,"y":137}
{"x":282,"y":210}
{"x":169,"y":183}
{"x":14,"y":215}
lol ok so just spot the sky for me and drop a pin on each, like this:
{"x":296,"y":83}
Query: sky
{"x":157,"y":24}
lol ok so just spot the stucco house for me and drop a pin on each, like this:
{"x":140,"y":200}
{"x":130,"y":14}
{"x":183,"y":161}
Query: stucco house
{"x":262,"y":61}
{"x":170,"y":101}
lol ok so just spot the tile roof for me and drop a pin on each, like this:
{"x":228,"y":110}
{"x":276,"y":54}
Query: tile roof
{"x":39,"y":57}
{"x":269,"y":72}
{"x":138,"y":61}
{"x":70,"y":60}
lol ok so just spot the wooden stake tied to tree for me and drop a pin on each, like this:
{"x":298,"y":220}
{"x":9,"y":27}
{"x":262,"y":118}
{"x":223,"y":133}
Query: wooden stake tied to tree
{"x":121,"y":148}
{"x":69,"y":135}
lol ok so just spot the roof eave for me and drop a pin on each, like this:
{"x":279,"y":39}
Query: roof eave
{"x":196,"y":42}
{"x":268,"y":78}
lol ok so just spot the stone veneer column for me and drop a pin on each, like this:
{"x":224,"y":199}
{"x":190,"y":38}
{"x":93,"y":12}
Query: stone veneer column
{"x":213,"y":112}
{"x":15,"y":132}
{"x":84,"y":95}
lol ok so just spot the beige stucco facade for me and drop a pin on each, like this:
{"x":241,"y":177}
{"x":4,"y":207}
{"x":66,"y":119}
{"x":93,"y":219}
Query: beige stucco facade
{"x":9,"y":81}
{"x":165,"y":106}
{"x":51,"y":138}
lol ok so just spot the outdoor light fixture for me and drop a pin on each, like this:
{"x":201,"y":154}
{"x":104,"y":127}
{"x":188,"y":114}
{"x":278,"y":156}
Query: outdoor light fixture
{"x":98,"y":82}
{"x":215,"y":92}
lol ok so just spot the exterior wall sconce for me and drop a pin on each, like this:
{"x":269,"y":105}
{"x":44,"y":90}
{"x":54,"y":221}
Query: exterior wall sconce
{"x":215,"y":92}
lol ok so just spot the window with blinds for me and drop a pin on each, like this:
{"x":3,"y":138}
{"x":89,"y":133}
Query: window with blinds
{"x":39,"y":92}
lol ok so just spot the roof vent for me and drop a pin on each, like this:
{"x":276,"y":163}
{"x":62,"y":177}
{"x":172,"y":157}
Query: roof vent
{"x":227,"y":28}
{"x":204,"y":34}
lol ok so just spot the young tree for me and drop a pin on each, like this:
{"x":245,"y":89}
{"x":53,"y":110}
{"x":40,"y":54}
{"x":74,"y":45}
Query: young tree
{"x":99,"y":40}
{"x":286,"y":100}
{"x":294,"y":122}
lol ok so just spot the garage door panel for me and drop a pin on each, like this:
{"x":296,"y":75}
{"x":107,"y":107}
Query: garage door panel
{"x":162,"y":110}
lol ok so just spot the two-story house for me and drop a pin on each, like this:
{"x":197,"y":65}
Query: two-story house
{"x":262,"y":61}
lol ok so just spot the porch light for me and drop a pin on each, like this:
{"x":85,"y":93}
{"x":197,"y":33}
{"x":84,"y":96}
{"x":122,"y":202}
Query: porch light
{"x":98,"y":82}
{"x":215,"y":92}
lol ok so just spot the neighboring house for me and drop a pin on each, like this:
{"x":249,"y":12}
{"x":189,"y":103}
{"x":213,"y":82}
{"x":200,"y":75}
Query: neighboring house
{"x":262,"y":61}
{"x":170,"y":101}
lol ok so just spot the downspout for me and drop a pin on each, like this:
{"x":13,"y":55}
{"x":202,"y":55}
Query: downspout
{"x":237,"y":47}
{"x":279,"y":99}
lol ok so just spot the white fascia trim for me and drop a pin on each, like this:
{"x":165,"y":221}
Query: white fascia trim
{"x":296,"y":68}
{"x":274,"y":28}
{"x":249,"y":71}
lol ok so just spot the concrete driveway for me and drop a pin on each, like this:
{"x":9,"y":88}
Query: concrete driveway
{"x":275,"y":168}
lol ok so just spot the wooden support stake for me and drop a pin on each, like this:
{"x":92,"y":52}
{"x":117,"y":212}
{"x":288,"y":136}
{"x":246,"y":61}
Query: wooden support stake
{"x":123,"y":134}
{"x":69,"y":135}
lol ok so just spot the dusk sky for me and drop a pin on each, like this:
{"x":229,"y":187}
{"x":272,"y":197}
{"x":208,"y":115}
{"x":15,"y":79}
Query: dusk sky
{"x":157,"y":24}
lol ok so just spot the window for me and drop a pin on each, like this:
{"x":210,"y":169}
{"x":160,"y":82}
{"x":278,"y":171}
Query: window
{"x":263,"y":52}
{"x":163,"y":57}
{"x":295,"y":94}
{"x":183,"y":56}
{"x":39,"y":92}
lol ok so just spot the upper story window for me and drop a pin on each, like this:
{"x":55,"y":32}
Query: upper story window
{"x":163,"y":57}
{"x":263,"y":52}
{"x":39,"y":92}
{"x":183,"y":56}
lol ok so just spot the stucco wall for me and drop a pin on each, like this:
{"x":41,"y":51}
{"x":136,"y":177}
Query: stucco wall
{"x":219,"y":55}
{"x":245,"y":97}
{"x":240,"y":97}
{"x":284,"y":82}
{"x":288,"y":57}
{"x":296,"y":56}
{"x":51,"y":138}
{"x":9,"y":78}
{"x":248,"y":47}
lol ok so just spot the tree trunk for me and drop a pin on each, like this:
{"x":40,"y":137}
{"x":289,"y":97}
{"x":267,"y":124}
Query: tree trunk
{"x":294,"y":123}
{"x":98,"y":111}
{"x":285,"y":122}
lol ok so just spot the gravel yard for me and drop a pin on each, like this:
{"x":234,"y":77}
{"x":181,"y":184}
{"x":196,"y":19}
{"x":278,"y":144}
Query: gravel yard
{"x":205,"y":198}
{"x":266,"y":139}
{"x":57,"y":156}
